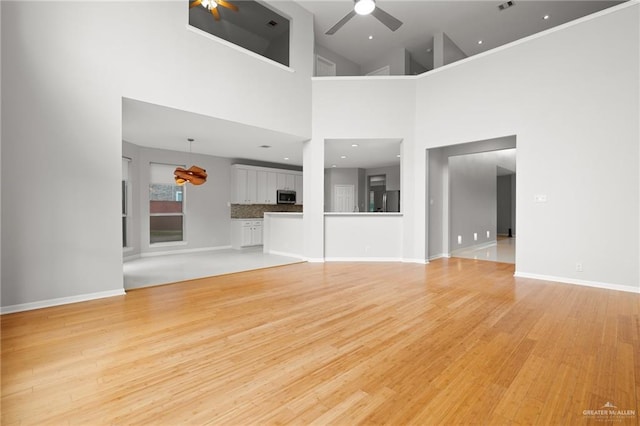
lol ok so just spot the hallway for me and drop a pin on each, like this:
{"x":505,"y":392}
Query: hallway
{"x":504,"y":251}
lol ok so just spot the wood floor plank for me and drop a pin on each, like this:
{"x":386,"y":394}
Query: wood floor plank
{"x":456,"y":341}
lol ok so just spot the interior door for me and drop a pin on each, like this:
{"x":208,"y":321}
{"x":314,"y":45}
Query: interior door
{"x":343,"y":198}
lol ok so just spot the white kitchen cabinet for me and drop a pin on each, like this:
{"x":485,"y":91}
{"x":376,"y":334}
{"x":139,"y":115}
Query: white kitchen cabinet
{"x":286,"y":181}
{"x":246,"y":233}
{"x":245,"y":185}
{"x":259,"y":185}
{"x":267,"y":187}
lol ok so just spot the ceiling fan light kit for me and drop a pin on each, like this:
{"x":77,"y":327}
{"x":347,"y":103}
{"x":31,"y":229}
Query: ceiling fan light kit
{"x":364,"y":7}
{"x":367,"y":7}
{"x":209,"y":4}
{"x":212,"y":6}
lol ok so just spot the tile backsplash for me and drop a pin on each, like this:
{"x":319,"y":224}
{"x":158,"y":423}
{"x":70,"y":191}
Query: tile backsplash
{"x":250,"y":211}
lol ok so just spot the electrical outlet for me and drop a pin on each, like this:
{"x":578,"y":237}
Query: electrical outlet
{"x":578,"y":267}
{"x":475,"y":236}
{"x":488,"y":234}
{"x":459,"y":239}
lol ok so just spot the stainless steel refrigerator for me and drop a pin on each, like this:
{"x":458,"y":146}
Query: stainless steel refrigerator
{"x":391,"y":201}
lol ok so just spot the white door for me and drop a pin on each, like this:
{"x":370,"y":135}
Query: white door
{"x":343,"y":198}
{"x":324,"y":67}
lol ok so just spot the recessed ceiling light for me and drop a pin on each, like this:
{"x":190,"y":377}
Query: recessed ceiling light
{"x":545,"y":17}
{"x":333,"y":165}
{"x":355,"y":145}
{"x":343,"y":156}
{"x":286,"y":158}
{"x":370,"y":37}
{"x":479,"y":41}
{"x":398,"y":155}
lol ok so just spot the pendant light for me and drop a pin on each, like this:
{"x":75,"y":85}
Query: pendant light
{"x":194,"y":175}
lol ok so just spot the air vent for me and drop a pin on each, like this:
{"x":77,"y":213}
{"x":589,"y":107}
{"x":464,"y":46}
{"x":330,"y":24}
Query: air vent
{"x":265,"y":146}
{"x":506,"y":5}
{"x":272,"y":23}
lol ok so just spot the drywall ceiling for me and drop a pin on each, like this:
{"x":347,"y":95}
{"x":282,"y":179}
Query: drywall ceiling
{"x":156,"y":126}
{"x":361,"y":153}
{"x":465,"y":22}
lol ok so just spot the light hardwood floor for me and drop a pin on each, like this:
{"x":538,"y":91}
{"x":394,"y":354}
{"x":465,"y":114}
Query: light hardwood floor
{"x":456,"y":341}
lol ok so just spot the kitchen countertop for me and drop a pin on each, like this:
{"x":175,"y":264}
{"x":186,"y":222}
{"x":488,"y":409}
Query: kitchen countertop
{"x":362,"y":214}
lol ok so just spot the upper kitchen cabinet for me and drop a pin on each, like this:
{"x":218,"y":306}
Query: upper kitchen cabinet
{"x":244,"y":186}
{"x":286,"y":180}
{"x":259,"y":185}
{"x":267,"y":187}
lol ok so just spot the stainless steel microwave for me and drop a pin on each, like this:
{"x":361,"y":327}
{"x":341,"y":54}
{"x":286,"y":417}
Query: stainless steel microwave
{"x":286,"y":196}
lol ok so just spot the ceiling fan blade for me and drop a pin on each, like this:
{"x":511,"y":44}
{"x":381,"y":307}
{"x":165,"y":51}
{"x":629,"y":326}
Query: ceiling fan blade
{"x":382,"y":16}
{"x":215,"y":13}
{"x":195,"y":3}
{"x":341,"y":22}
{"x":227,"y":5}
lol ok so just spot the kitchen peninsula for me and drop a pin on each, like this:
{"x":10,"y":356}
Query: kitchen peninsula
{"x":347,"y":236}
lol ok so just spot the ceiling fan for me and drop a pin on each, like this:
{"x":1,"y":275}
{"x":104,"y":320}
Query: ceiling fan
{"x":212,"y":6}
{"x":366,"y":7}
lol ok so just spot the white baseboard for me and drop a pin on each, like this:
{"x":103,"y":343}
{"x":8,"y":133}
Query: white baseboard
{"x":60,"y":301}
{"x":420,"y":261}
{"x":314,"y":259}
{"x":282,"y":253}
{"x":184,"y":251}
{"x":440,"y":256}
{"x":573,"y":281}
{"x":363,"y":259}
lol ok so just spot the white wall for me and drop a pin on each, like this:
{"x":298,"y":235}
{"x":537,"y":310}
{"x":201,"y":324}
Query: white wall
{"x":452,"y":52}
{"x":66,"y":67}
{"x":358,"y":108}
{"x":343,"y":65}
{"x":364,"y":236}
{"x":576,"y":121}
{"x":397,"y":59}
{"x":283,"y":234}
{"x":392,"y":173}
{"x":207,"y":218}
{"x":472,"y":199}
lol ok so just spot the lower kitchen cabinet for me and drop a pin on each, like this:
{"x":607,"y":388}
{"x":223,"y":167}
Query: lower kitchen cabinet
{"x":246,"y":233}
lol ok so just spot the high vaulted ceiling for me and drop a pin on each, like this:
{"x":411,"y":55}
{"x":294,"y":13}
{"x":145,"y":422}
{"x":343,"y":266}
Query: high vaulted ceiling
{"x":465,"y":22}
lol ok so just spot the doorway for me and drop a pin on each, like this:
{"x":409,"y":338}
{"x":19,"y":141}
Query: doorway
{"x":462,"y":200}
{"x":377,"y":185}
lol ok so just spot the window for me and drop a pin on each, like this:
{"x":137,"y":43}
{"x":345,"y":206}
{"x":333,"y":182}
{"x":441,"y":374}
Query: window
{"x":125,"y":201}
{"x":166,"y":205}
